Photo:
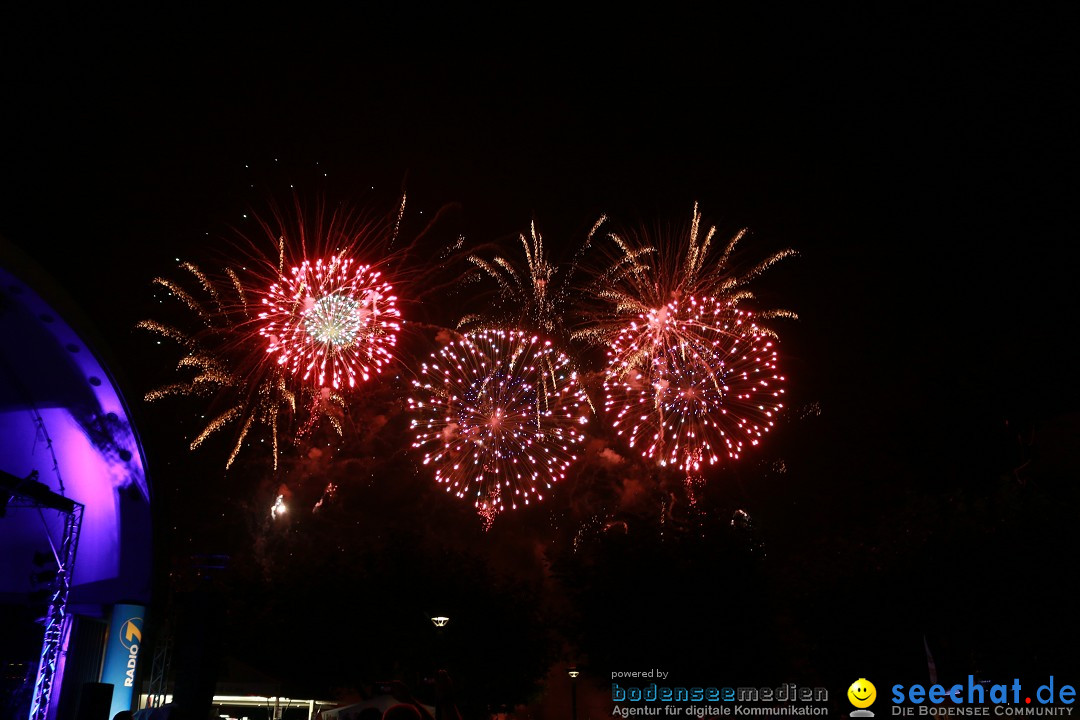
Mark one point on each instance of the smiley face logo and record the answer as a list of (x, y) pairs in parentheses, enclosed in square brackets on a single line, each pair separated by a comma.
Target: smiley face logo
[(862, 693)]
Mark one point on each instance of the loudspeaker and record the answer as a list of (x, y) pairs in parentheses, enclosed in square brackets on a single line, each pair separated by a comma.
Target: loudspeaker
[(95, 701)]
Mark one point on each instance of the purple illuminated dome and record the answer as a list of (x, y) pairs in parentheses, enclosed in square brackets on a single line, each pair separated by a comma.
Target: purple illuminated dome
[(74, 496)]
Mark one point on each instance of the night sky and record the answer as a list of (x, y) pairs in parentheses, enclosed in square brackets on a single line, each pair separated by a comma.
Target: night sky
[(922, 484)]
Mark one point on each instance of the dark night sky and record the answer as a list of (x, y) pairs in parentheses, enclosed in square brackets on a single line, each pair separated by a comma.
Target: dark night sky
[(921, 161)]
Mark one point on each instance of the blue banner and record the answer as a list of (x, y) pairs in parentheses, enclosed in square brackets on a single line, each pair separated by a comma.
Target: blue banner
[(122, 654)]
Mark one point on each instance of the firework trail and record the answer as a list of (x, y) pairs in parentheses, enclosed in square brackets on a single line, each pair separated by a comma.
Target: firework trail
[(221, 364), (533, 294), (491, 430), (647, 277)]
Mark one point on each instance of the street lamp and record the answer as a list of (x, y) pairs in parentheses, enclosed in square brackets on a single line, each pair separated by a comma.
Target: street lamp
[(440, 622), (572, 671)]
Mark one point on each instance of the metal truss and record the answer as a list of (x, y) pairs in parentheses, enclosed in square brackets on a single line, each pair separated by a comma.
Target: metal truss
[(57, 617)]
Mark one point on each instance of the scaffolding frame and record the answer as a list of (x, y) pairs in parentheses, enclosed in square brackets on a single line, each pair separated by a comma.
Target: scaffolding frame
[(29, 493), (159, 669), (57, 619)]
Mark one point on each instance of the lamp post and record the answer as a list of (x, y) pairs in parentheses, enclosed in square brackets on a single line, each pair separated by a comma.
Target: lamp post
[(440, 622), (572, 671)]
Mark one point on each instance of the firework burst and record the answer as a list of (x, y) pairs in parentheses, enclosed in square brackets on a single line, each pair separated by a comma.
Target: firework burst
[(328, 312), (331, 322), (713, 392), (273, 339), (490, 428)]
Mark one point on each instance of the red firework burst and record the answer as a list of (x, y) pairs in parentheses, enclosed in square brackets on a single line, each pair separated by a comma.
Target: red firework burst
[(711, 389), (331, 322), (499, 413)]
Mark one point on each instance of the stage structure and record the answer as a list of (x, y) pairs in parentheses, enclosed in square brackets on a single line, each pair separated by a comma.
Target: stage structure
[(75, 503)]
